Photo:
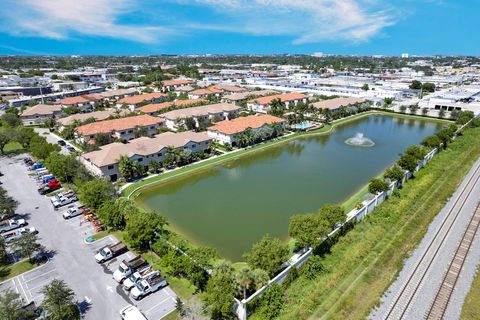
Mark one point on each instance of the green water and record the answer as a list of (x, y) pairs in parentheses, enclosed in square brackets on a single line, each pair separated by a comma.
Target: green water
[(231, 206)]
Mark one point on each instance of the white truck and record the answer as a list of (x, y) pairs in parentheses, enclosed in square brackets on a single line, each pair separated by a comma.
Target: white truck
[(110, 251), (63, 201), (126, 268), (58, 196), (142, 274), (12, 224), (147, 286), (131, 313), (18, 233), (73, 212)]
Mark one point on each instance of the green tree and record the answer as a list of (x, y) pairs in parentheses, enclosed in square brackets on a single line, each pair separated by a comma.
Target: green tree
[(59, 302), (63, 167), (333, 214), (126, 167), (394, 173), (464, 116), (11, 307), (7, 205), (155, 166), (95, 192), (3, 252), (271, 302), (141, 229), (365, 87), (5, 138), (424, 111), (40, 148), (441, 113), (260, 278), (428, 87), (313, 267), (102, 139), (218, 297), (277, 108), (244, 278), (11, 119), (408, 162), (431, 142), (377, 185), (27, 244), (417, 151), (416, 85), (268, 254), (308, 229), (24, 135)]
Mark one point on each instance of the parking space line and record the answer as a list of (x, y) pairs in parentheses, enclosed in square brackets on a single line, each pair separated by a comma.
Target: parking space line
[(38, 276), (41, 285), (161, 302), (23, 290)]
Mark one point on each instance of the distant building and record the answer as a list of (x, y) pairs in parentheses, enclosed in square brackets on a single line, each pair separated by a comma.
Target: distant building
[(144, 150), (39, 114), (157, 108), (84, 102), (405, 55), (141, 99), (172, 85), (237, 98), (337, 103)]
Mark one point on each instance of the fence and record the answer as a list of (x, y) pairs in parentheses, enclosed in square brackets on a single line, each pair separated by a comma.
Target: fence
[(358, 214)]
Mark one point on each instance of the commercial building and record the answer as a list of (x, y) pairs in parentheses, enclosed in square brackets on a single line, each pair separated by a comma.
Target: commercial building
[(144, 150)]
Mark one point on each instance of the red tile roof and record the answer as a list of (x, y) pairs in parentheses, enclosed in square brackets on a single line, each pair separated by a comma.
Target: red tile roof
[(155, 107), (142, 98), (175, 82), (85, 98), (241, 124), (118, 124)]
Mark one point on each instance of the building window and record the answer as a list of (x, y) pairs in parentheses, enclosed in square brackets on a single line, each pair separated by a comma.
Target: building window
[(140, 159), (130, 131), (160, 154), (152, 127), (122, 132), (110, 167)]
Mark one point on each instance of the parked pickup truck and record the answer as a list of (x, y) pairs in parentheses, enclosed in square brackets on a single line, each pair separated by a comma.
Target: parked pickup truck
[(11, 224), (51, 186), (73, 212), (145, 287), (63, 201), (57, 197), (143, 274), (110, 251), (18, 233), (126, 268), (132, 313)]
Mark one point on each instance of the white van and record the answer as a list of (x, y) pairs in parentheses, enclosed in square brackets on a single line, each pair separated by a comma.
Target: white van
[(132, 313)]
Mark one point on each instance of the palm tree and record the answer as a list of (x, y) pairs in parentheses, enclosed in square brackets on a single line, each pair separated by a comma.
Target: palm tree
[(126, 167), (277, 129), (248, 136), (441, 113), (260, 278), (244, 278)]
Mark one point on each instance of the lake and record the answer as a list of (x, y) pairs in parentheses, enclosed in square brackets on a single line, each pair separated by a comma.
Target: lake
[(231, 206)]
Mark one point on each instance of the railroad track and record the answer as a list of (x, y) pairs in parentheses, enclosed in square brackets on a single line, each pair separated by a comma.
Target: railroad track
[(444, 293), (409, 289)]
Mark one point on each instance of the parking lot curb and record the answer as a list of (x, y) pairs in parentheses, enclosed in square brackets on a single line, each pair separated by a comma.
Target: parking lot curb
[(26, 272)]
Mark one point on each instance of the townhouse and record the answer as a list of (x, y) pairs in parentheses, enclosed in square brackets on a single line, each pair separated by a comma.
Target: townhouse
[(85, 102), (157, 108), (176, 119), (172, 85), (205, 93), (39, 114), (80, 117), (141, 99), (123, 129), (228, 132), (115, 95), (144, 150), (240, 97), (262, 104)]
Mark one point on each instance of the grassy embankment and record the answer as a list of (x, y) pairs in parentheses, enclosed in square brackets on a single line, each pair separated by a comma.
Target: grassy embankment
[(13, 270), (471, 306), (364, 262)]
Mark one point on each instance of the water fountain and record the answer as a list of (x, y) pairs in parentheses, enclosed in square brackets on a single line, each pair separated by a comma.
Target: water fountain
[(359, 140)]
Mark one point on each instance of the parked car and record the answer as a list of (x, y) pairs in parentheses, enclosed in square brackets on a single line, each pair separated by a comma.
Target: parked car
[(131, 313), (12, 224), (61, 143), (71, 149), (51, 186), (63, 201), (110, 251), (18, 233), (37, 165), (73, 212)]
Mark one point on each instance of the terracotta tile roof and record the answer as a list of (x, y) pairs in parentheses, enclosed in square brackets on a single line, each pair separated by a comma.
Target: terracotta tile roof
[(142, 98), (229, 88), (184, 89), (118, 124), (155, 107), (143, 146), (41, 109), (284, 97), (245, 95), (200, 111), (207, 91), (336, 103), (97, 115), (85, 98), (176, 82), (241, 124)]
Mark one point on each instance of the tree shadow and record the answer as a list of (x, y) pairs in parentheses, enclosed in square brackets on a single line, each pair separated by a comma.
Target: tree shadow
[(84, 306)]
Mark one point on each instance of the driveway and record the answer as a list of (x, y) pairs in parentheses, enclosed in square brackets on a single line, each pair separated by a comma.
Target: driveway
[(73, 260), (53, 138)]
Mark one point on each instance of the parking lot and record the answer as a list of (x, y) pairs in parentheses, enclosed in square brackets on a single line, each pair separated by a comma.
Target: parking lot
[(53, 138), (29, 284), (98, 294)]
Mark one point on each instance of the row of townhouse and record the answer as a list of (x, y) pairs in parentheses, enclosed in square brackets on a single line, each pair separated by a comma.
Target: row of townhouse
[(157, 108), (144, 150), (123, 129), (216, 91), (228, 132), (262, 104)]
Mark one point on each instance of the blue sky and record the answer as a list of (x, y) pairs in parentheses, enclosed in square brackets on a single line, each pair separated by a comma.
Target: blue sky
[(387, 27)]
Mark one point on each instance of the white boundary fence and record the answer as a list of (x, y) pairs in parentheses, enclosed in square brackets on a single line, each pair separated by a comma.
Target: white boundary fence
[(240, 307)]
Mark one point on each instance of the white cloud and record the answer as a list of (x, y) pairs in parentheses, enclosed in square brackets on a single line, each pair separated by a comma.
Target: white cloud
[(308, 21), (59, 19)]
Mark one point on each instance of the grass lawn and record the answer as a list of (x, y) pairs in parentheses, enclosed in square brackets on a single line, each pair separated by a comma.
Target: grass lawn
[(364, 262), (100, 235), (471, 306), (16, 269), (171, 316)]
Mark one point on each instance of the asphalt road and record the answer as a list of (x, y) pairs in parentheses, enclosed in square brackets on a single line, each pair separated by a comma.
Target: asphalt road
[(98, 294), (53, 138)]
